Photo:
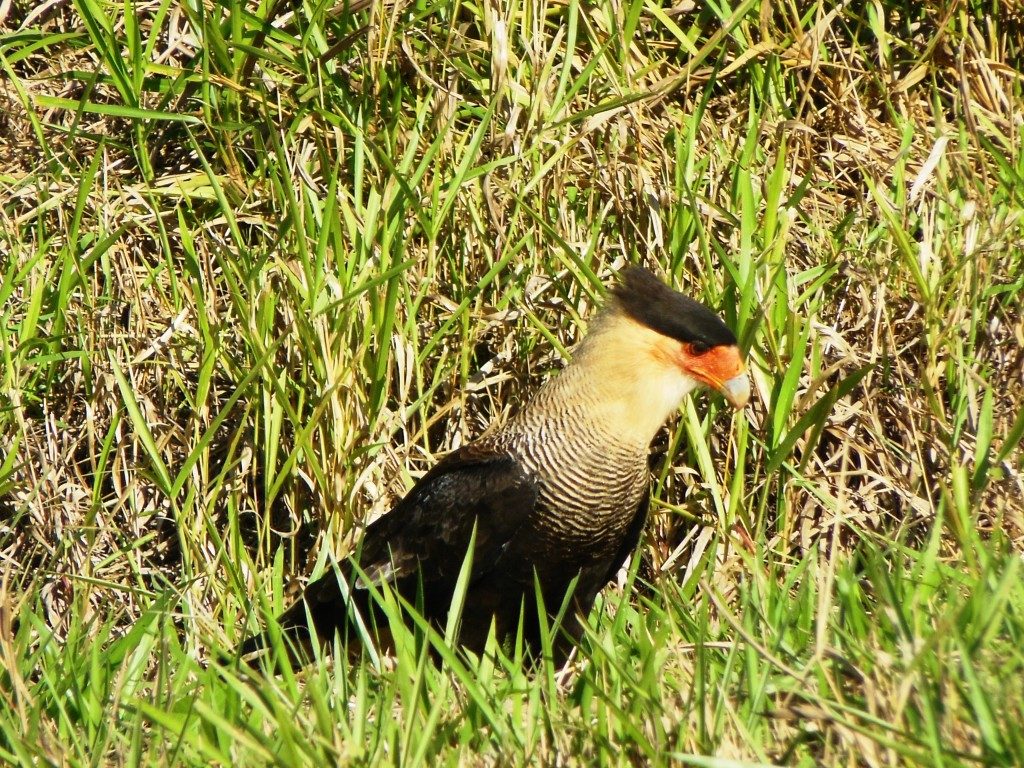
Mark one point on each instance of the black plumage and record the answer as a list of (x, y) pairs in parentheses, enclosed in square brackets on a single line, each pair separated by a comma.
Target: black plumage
[(556, 497), (650, 302)]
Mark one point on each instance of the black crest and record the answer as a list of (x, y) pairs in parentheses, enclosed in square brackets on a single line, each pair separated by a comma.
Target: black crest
[(649, 301)]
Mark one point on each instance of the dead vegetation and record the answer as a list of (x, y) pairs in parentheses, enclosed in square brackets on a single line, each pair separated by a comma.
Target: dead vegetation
[(250, 291)]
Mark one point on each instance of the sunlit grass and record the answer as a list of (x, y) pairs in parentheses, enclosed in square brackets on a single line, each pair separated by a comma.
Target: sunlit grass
[(261, 264)]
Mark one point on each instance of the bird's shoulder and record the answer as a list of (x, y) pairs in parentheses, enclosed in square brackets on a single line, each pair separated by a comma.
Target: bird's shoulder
[(478, 469), (481, 492)]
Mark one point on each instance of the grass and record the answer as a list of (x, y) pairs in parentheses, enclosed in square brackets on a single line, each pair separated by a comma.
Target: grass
[(261, 263)]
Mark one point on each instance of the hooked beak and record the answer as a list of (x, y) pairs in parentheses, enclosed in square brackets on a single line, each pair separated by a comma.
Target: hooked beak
[(737, 391)]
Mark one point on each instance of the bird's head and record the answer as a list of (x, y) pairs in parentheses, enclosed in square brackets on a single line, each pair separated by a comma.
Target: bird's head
[(651, 345), (682, 334)]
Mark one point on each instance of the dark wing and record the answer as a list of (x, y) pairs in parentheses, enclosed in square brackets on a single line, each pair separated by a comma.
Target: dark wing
[(425, 538), (430, 529)]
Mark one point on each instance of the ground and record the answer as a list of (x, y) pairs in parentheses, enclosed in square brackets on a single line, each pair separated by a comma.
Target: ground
[(261, 264)]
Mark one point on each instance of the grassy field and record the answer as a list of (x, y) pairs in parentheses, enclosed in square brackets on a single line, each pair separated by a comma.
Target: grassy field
[(262, 262)]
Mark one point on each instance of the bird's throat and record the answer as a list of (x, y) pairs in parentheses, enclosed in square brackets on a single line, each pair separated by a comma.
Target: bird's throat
[(627, 401)]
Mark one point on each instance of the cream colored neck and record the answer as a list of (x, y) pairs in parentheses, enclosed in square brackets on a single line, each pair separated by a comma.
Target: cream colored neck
[(621, 378)]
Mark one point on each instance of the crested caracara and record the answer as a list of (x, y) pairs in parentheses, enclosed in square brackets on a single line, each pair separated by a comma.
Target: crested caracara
[(556, 498)]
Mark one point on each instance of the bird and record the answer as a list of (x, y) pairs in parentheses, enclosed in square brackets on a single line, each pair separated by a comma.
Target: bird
[(550, 503)]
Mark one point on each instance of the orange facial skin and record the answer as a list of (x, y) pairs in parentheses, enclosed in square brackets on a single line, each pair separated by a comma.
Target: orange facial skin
[(720, 368), (714, 367)]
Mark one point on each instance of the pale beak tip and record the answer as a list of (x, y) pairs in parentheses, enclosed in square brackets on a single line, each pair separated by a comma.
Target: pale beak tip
[(737, 391)]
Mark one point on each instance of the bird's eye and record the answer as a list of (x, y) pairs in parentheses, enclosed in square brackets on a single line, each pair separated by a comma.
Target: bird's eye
[(698, 348)]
